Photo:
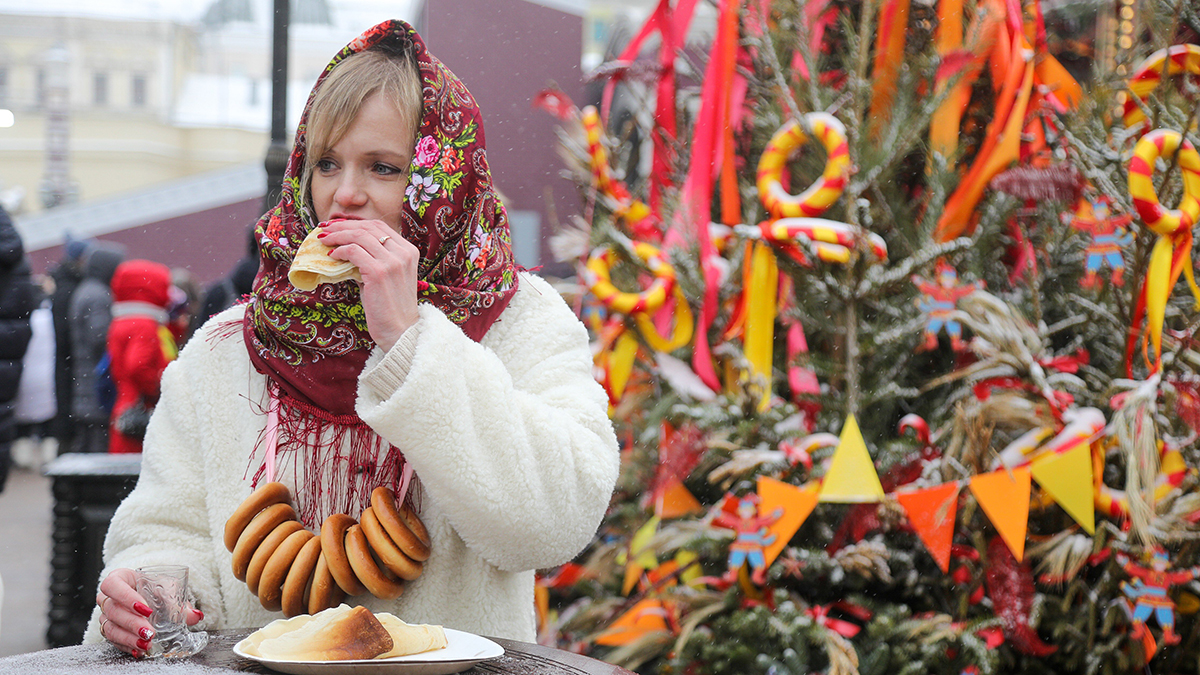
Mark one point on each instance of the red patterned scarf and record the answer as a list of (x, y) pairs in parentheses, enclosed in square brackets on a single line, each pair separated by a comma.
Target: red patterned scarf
[(313, 345)]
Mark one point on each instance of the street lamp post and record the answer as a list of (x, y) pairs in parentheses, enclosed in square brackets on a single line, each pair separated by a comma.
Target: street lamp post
[(277, 152), (56, 187)]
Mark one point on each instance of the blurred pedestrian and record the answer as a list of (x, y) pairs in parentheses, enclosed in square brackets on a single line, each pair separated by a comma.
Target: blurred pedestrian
[(36, 402), (140, 344), (16, 304), (237, 284), (67, 275), (89, 316), (183, 304)]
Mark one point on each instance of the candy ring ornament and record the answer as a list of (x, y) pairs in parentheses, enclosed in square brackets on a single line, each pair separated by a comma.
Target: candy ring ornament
[(681, 333), (626, 207), (1165, 143), (1148, 74), (832, 240), (598, 277), (820, 195), (1115, 503)]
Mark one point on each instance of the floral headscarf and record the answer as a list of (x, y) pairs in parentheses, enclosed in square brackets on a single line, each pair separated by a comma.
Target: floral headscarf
[(313, 345)]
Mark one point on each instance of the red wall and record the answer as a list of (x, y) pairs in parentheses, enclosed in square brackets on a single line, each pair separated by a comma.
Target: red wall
[(506, 51), (206, 243)]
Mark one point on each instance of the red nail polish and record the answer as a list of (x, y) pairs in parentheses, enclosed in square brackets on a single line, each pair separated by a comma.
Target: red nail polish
[(321, 235), (143, 644), (142, 608), (200, 614), (136, 654), (145, 633)]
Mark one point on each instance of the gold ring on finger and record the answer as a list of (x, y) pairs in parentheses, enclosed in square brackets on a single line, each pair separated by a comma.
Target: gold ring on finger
[(384, 238), (103, 624)]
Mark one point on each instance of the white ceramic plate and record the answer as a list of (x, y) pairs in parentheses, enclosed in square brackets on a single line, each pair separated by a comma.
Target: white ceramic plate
[(462, 651)]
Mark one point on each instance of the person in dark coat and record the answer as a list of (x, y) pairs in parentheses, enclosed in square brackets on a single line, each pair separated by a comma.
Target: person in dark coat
[(67, 275), (88, 319), (235, 286), (16, 304)]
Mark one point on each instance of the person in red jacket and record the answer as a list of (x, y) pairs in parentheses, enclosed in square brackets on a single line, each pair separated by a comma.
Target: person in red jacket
[(139, 342)]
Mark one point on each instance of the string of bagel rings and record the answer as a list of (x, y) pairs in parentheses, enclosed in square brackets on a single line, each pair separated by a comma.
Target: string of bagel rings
[(298, 572)]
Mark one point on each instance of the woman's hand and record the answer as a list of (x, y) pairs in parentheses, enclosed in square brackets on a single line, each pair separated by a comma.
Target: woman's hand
[(124, 614), (387, 263)]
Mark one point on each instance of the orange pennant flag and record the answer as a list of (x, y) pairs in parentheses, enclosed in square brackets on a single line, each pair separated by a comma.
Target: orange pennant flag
[(851, 478), (931, 512), (1067, 476), (1004, 496), (645, 617), (796, 502), (676, 500)]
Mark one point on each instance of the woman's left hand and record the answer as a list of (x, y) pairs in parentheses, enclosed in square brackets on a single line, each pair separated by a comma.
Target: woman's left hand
[(387, 263)]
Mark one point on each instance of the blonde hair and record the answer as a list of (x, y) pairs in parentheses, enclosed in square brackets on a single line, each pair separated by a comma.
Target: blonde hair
[(351, 82)]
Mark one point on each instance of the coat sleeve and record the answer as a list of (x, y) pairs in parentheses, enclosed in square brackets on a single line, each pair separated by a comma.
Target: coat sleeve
[(90, 320), (164, 519), (510, 437)]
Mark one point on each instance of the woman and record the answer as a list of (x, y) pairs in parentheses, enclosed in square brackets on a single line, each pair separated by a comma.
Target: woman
[(139, 343), (443, 359)]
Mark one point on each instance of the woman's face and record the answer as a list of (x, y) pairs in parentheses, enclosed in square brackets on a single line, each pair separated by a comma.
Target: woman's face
[(363, 176)]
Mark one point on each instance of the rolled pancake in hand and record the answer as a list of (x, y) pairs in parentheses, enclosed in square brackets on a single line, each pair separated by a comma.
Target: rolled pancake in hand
[(312, 265)]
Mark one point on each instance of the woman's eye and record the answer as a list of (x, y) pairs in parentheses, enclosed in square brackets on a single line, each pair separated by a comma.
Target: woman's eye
[(386, 170), (325, 165)]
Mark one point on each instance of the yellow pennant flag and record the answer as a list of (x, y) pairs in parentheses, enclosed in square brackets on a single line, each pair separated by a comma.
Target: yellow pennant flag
[(640, 557), (796, 502), (1067, 476), (1004, 496), (851, 478), (760, 320)]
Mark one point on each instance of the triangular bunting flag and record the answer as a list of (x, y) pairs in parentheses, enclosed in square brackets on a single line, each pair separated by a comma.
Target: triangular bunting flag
[(797, 503), (1004, 496), (644, 617), (1067, 476), (675, 500), (640, 557), (931, 512), (851, 478)]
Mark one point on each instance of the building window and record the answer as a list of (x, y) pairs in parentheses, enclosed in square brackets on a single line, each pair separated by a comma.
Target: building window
[(100, 89), (138, 91)]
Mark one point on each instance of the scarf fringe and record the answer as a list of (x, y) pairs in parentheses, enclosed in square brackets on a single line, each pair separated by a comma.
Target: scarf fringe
[(224, 331), (335, 462)]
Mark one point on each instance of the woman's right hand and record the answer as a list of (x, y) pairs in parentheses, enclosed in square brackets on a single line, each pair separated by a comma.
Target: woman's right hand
[(124, 614)]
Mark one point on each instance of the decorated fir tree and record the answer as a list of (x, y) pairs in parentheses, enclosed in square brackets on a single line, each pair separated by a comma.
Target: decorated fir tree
[(893, 341)]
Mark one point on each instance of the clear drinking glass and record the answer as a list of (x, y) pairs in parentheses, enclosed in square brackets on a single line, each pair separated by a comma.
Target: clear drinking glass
[(165, 589)]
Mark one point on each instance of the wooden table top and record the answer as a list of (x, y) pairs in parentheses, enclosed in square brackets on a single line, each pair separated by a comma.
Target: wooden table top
[(519, 657)]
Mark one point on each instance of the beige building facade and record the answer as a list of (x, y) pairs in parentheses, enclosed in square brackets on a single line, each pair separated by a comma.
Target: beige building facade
[(123, 79)]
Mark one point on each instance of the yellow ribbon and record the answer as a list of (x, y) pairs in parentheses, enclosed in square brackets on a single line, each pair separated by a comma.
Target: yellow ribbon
[(1171, 256), (760, 318), (680, 335)]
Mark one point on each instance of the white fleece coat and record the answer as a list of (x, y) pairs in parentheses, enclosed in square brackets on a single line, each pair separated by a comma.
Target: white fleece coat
[(509, 437)]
